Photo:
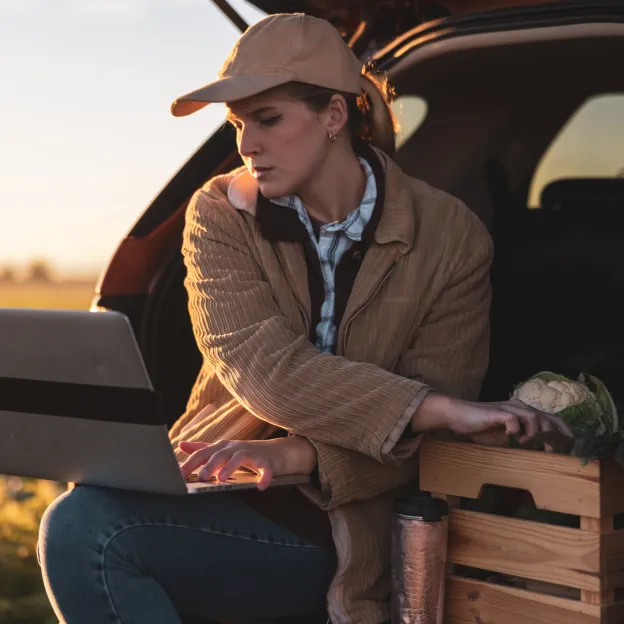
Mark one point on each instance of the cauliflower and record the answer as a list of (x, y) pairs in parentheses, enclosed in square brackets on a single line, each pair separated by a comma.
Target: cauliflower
[(585, 404), (552, 396)]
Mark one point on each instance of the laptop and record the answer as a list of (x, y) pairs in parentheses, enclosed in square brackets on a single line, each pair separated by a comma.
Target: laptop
[(77, 405)]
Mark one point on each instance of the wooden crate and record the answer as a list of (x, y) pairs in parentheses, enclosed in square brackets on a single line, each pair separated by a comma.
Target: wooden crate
[(589, 559)]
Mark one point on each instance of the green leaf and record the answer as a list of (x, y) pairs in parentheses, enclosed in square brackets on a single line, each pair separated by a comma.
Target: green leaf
[(592, 446), (605, 400), (584, 417)]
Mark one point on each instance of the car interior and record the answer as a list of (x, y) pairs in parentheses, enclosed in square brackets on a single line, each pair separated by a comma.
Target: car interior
[(495, 104), (493, 111)]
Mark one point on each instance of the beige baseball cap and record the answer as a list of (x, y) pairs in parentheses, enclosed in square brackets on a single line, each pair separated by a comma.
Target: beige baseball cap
[(276, 50)]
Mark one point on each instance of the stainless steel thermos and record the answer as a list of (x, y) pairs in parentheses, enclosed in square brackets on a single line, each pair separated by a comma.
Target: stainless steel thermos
[(419, 544)]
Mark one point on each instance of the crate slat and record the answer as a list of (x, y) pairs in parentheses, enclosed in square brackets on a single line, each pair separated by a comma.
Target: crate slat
[(470, 602), (557, 482), (598, 527), (555, 561), (543, 552)]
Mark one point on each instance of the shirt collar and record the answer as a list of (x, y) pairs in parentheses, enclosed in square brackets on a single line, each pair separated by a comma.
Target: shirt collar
[(278, 224)]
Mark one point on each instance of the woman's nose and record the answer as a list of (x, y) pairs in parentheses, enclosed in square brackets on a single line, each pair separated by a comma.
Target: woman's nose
[(247, 143)]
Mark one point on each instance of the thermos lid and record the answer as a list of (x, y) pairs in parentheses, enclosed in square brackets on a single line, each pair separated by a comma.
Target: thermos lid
[(422, 507)]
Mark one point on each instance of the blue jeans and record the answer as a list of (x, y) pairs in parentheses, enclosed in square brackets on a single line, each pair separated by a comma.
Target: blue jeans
[(117, 557)]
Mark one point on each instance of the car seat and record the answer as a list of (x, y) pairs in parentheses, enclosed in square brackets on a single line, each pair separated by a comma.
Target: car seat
[(557, 285)]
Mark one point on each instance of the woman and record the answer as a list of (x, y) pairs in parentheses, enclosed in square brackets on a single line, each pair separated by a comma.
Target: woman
[(342, 311)]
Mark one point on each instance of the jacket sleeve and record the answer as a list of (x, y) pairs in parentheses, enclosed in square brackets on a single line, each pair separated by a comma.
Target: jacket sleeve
[(279, 376), (345, 476)]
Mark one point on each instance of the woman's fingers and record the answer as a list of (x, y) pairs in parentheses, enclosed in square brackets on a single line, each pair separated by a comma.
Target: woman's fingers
[(524, 421), (191, 447), (495, 423), (221, 460), (495, 436), (547, 425), (234, 463), (511, 423), (198, 457), (266, 476), (554, 421), (560, 425), (215, 463), (530, 423), (557, 422), (242, 459), (536, 421)]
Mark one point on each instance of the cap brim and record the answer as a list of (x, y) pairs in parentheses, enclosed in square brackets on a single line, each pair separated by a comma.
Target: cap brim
[(227, 90)]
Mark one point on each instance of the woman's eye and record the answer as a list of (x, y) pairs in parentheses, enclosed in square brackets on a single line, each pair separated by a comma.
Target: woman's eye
[(270, 121)]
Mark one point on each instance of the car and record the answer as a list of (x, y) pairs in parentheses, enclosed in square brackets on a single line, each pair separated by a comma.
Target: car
[(517, 108), (482, 98)]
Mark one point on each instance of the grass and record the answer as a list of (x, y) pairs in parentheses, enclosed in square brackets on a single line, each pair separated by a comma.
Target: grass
[(23, 501), (66, 295)]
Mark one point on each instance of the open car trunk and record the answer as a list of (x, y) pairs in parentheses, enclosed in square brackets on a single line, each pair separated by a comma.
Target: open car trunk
[(489, 105), (495, 103), (366, 20)]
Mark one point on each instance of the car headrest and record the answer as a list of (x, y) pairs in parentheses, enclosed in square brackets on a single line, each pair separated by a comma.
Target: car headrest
[(584, 194)]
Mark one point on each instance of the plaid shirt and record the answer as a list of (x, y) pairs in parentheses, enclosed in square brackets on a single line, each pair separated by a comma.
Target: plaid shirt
[(333, 241)]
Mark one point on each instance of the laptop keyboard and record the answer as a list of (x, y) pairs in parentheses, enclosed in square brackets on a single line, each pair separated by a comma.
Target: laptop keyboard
[(194, 478)]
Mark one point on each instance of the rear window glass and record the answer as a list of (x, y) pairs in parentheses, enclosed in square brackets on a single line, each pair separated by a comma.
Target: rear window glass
[(410, 112), (590, 145)]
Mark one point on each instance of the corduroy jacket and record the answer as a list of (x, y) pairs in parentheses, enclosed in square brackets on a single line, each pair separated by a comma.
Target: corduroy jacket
[(416, 319)]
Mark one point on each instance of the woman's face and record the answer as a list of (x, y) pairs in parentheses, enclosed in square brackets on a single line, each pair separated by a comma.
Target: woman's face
[(282, 141)]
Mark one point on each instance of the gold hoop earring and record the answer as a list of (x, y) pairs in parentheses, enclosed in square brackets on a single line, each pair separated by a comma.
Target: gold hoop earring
[(332, 137)]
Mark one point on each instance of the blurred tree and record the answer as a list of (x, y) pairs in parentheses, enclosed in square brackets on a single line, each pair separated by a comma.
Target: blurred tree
[(8, 274), (39, 271)]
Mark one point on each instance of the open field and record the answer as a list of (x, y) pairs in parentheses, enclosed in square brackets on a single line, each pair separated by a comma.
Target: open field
[(67, 295), (22, 501)]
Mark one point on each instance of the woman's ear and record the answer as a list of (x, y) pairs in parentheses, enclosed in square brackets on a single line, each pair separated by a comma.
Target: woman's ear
[(337, 114)]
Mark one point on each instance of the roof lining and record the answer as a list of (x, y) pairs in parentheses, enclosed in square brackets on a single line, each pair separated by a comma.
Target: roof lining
[(462, 44)]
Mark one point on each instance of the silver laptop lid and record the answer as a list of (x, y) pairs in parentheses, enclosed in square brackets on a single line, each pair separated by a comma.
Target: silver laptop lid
[(76, 402), (69, 346)]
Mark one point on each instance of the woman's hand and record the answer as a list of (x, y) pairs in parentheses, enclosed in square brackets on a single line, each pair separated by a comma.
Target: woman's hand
[(486, 423), (267, 458)]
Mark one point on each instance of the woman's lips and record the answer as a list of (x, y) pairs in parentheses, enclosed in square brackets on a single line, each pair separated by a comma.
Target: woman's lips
[(261, 172)]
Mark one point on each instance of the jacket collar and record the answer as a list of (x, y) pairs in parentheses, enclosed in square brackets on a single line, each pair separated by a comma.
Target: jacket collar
[(398, 220), (277, 223)]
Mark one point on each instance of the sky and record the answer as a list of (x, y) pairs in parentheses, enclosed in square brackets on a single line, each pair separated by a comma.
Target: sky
[(87, 139), (86, 136)]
